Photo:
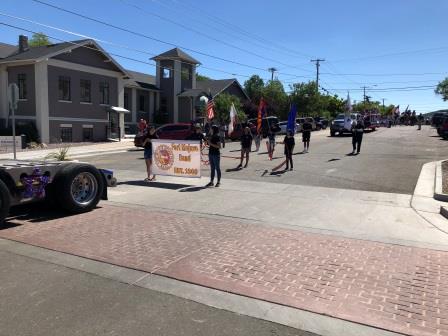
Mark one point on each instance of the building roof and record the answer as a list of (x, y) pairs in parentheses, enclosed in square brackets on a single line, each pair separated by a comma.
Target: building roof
[(34, 53), (51, 50), (176, 54), (211, 87), (141, 80), (7, 50)]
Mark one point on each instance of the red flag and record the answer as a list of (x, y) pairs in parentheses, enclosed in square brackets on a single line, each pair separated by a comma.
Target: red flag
[(210, 109), (261, 112)]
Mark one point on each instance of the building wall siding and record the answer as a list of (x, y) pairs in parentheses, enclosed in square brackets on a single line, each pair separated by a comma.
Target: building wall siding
[(88, 57), (75, 109), (99, 130), (28, 107), (185, 109)]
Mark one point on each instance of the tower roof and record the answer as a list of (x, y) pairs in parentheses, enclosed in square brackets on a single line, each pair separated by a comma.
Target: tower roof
[(176, 54)]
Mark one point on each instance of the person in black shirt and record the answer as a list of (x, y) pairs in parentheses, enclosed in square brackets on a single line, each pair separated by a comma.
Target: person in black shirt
[(357, 133), (197, 135), (306, 135), (214, 157), (147, 145), (289, 143), (246, 144)]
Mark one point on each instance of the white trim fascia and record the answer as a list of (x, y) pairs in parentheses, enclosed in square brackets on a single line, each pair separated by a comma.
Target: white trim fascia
[(18, 62), (84, 68), (78, 119), (42, 106), (231, 84), (65, 101), (23, 117), (85, 103), (66, 125)]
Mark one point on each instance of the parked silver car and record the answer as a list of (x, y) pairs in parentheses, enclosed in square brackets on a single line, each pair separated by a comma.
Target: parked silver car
[(283, 127)]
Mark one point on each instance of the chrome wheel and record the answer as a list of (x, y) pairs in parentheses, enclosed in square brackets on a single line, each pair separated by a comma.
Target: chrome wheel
[(84, 188)]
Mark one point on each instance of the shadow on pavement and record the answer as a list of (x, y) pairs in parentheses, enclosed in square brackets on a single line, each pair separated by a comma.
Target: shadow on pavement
[(280, 172), (192, 189), (161, 185), (229, 170), (331, 160), (33, 213)]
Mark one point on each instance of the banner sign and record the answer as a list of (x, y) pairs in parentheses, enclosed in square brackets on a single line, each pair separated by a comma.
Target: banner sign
[(176, 158)]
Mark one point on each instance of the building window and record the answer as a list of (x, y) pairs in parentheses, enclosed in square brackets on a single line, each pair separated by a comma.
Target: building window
[(64, 88), (85, 91), (87, 134), (21, 80), (66, 134), (104, 93), (126, 101), (141, 103), (166, 73), (186, 74)]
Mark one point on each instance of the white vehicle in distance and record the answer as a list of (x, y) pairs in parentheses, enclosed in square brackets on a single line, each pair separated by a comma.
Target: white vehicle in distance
[(283, 127)]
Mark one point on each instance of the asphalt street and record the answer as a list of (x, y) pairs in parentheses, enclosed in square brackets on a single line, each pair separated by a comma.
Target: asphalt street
[(390, 161), (41, 298)]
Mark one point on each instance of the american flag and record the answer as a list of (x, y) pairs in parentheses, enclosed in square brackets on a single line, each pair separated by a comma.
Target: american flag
[(210, 109)]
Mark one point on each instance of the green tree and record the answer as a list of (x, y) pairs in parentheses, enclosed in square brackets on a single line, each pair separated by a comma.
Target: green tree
[(38, 40), (442, 89), (223, 102), (254, 87), (277, 99), (201, 78)]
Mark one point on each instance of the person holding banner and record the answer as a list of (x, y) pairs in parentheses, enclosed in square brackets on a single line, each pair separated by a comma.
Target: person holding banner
[(214, 157), (246, 145), (271, 144), (289, 143), (257, 140), (147, 145)]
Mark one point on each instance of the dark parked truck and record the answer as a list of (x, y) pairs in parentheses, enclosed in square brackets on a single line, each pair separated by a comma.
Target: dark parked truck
[(75, 187)]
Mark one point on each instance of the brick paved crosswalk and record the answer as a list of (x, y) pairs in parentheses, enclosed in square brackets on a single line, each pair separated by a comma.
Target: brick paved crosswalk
[(398, 288)]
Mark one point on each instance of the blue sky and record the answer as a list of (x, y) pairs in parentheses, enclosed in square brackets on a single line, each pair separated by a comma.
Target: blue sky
[(381, 44)]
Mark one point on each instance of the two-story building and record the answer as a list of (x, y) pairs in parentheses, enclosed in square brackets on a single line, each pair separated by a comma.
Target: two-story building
[(75, 91), (70, 91)]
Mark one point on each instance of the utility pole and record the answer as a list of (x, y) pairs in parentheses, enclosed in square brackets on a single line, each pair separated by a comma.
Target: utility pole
[(364, 87), (317, 62), (272, 71)]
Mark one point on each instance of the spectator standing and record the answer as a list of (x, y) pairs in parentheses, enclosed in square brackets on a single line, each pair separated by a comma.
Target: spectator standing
[(147, 145), (271, 144), (214, 157), (246, 145)]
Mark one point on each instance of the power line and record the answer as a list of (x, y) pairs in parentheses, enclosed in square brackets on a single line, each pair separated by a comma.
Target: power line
[(246, 40), (110, 53), (208, 36), (146, 36), (242, 31)]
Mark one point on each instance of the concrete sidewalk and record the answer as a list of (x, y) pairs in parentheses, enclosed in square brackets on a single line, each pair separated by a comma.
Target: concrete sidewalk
[(373, 216), (76, 152)]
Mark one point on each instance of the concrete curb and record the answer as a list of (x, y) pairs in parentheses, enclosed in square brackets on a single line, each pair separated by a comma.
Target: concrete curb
[(444, 211), (438, 187), (423, 200)]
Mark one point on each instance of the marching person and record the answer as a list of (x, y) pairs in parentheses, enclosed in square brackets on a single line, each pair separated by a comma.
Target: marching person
[(222, 135), (271, 144), (246, 145), (289, 143), (147, 145), (214, 157), (257, 139), (306, 135), (357, 134), (420, 121)]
